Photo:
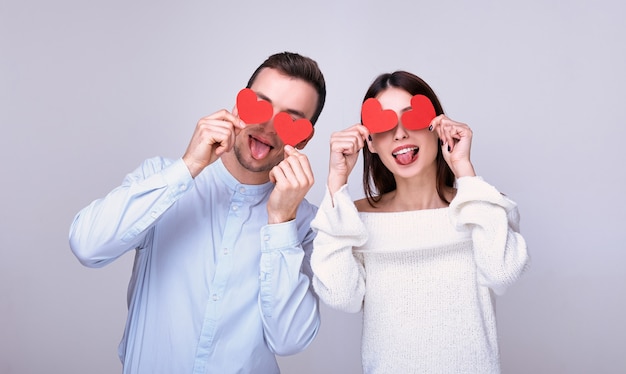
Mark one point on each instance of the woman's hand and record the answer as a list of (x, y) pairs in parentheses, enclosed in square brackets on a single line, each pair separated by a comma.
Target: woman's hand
[(344, 152), (457, 142)]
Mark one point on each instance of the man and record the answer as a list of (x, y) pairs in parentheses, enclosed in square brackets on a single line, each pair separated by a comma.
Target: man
[(221, 280)]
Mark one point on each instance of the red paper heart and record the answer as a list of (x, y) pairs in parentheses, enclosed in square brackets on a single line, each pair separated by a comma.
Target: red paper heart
[(251, 110), (292, 132), (375, 118), (421, 114)]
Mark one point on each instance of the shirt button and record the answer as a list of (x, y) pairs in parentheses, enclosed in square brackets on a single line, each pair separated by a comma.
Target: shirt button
[(235, 207), (225, 251), (183, 187), (242, 189), (215, 297), (266, 237), (154, 214)]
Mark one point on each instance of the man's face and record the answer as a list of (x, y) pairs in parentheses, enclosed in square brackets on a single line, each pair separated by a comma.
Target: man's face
[(257, 147)]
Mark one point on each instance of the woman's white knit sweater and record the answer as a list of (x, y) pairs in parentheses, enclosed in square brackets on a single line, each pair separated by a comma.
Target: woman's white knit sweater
[(423, 278)]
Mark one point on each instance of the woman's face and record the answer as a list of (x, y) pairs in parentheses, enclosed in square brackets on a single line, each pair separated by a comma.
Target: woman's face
[(405, 153)]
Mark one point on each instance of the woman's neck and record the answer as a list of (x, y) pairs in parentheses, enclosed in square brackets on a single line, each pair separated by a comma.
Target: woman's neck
[(415, 193)]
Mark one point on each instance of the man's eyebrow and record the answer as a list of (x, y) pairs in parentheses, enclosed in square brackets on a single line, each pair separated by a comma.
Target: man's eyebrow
[(261, 96), (295, 113), (292, 112)]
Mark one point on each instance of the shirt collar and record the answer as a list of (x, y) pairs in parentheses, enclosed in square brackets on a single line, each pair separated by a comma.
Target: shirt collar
[(247, 189)]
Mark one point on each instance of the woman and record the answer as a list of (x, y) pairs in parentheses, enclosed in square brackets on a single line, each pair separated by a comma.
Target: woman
[(422, 254)]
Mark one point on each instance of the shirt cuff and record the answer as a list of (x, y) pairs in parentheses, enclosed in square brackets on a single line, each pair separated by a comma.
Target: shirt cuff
[(177, 177), (278, 236)]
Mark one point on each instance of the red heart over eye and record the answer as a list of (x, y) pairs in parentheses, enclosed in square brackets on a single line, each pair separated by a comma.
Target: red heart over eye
[(251, 110), (421, 113), (290, 131), (375, 118)]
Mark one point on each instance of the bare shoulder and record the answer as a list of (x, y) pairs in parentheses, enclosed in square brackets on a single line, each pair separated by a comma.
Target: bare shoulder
[(450, 193), (363, 205)]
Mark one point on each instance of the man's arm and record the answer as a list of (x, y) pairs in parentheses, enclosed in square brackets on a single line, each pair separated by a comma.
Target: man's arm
[(289, 307), (109, 227), (117, 223)]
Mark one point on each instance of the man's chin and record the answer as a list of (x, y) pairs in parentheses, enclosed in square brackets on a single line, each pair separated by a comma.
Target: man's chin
[(254, 165)]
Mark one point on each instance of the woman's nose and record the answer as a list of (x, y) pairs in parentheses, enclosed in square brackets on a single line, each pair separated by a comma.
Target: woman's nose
[(400, 132)]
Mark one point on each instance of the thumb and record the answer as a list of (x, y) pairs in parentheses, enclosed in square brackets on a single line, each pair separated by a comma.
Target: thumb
[(445, 150), (272, 176), (289, 150)]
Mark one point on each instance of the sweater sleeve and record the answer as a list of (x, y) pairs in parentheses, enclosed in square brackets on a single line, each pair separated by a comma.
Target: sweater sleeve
[(338, 273), (499, 249)]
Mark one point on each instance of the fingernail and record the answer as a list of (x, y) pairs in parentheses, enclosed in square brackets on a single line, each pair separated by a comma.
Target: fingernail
[(369, 137), (430, 128)]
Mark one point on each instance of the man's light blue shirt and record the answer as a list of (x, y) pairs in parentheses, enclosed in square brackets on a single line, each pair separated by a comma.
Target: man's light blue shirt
[(214, 288)]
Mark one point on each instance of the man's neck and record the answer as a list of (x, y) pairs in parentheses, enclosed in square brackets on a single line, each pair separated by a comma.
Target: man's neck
[(242, 174)]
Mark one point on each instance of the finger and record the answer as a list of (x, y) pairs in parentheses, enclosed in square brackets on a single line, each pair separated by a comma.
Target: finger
[(438, 125), (446, 135), (226, 144), (448, 129), (458, 132), (224, 115), (346, 147), (363, 131), (435, 122), (215, 134), (290, 150), (272, 175), (278, 175), (441, 134), (213, 131), (297, 165), (349, 142)]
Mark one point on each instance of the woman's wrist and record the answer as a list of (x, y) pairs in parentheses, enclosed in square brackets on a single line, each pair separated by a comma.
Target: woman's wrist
[(335, 183), (464, 169)]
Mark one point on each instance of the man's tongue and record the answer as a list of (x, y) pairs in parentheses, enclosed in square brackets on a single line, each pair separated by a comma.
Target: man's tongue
[(258, 149), (405, 158)]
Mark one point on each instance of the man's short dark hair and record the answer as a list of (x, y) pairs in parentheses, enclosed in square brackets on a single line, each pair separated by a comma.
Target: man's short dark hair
[(297, 66)]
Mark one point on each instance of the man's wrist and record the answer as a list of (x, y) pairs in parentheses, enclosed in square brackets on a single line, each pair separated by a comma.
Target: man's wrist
[(279, 218)]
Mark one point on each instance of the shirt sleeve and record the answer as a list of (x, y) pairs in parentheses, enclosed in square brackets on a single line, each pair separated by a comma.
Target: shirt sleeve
[(289, 307), (119, 222), (500, 250), (339, 274)]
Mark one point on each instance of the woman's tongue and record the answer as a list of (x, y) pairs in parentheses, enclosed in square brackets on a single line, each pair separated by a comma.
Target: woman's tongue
[(259, 150), (406, 156)]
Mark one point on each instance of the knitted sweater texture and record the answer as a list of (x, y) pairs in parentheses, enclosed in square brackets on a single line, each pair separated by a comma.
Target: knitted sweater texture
[(425, 279)]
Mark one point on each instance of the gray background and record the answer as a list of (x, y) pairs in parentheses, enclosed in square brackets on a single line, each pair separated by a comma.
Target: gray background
[(88, 89)]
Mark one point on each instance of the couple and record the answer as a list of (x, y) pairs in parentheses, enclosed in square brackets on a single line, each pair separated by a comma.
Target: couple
[(230, 258)]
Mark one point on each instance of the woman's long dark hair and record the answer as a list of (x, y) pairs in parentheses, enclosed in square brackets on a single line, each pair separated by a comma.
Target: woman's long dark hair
[(377, 179)]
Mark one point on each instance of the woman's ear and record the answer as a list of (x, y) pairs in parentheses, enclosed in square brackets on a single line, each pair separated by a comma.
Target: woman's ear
[(370, 144)]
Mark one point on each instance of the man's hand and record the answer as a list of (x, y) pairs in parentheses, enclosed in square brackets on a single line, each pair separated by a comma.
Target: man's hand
[(293, 178), (214, 135)]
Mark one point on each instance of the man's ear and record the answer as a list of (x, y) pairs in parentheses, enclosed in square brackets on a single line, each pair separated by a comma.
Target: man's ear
[(305, 141)]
